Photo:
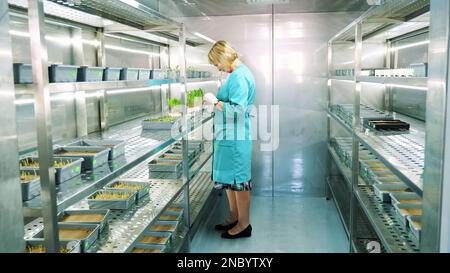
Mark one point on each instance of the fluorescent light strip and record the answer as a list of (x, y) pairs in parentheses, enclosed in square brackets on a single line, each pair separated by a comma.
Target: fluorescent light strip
[(408, 87), (58, 40), (118, 48), (204, 37), (410, 45)]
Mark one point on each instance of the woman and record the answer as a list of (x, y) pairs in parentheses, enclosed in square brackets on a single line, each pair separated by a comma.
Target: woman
[(232, 138)]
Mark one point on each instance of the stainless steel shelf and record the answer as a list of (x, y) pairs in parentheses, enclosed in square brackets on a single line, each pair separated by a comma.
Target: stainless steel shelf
[(386, 16), (340, 121), (382, 218), (141, 144), (403, 81), (346, 172), (402, 153), (343, 78)]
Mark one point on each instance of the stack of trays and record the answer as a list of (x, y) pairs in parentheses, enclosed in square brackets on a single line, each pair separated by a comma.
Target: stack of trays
[(65, 168), (87, 234), (392, 125), (117, 147), (94, 216), (112, 199), (172, 169), (93, 156), (141, 188), (37, 246), (22, 73)]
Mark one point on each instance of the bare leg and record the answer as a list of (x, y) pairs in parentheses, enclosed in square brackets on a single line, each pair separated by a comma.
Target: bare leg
[(243, 206), (233, 213)]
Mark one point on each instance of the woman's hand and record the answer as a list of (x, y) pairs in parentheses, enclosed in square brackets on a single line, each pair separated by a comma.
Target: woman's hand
[(210, 98)]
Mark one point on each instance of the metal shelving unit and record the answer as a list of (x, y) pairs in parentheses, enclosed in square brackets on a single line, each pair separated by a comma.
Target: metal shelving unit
[(404, 153), (129, 18)]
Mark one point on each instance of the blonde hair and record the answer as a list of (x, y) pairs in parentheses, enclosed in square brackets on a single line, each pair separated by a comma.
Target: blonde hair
[(222, 53)]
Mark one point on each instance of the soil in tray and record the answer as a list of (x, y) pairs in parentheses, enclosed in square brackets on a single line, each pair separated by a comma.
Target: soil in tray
[(163, 227), (88, 218), (172, 157), (121, 185), (386, 175), (374, 164), (153, 240), (41, 249), (417, 225), (145, 250), (177, 209), (415, 212), (168, 217), (410, 201), (74, 234), (377, 169)]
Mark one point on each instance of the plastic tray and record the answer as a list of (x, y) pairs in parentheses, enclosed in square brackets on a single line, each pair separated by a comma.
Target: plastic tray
[(90, 74), (168, 226), (71, 246), (117, 147), (114, 204), (91, 161), (23, 73), (63, 73), (102, 223), (140, 193), (129, 74), (61, 174), (401, 215), (169, 215), (31, 189), (85, 243), (144, 74), (161, 165), (383, 191), (112, 74)]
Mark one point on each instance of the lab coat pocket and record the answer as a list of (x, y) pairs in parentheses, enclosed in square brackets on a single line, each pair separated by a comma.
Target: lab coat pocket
[(224, 156)]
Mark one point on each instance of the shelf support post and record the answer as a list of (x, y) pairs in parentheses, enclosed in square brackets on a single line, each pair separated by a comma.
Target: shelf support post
[(185, 130)]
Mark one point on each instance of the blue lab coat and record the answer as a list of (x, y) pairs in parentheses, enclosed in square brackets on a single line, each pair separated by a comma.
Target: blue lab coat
[(232, 132)]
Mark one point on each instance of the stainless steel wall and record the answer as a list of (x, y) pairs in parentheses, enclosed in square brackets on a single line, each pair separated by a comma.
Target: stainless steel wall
[(298, 85)]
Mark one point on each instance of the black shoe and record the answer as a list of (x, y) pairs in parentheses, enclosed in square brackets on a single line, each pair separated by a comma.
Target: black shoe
[(226, 227), (247, 232)]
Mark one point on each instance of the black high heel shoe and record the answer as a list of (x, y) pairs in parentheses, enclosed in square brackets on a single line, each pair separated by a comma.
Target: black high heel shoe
[(247, 232), (226, 227)]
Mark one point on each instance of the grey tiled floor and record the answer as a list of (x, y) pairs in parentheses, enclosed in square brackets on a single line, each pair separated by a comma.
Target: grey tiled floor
[(280, 224)]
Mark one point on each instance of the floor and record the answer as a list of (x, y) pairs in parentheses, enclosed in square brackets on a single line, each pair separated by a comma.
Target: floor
[(280, 224)]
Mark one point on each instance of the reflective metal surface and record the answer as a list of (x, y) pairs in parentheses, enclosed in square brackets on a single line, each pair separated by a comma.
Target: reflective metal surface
[(11, 232)]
